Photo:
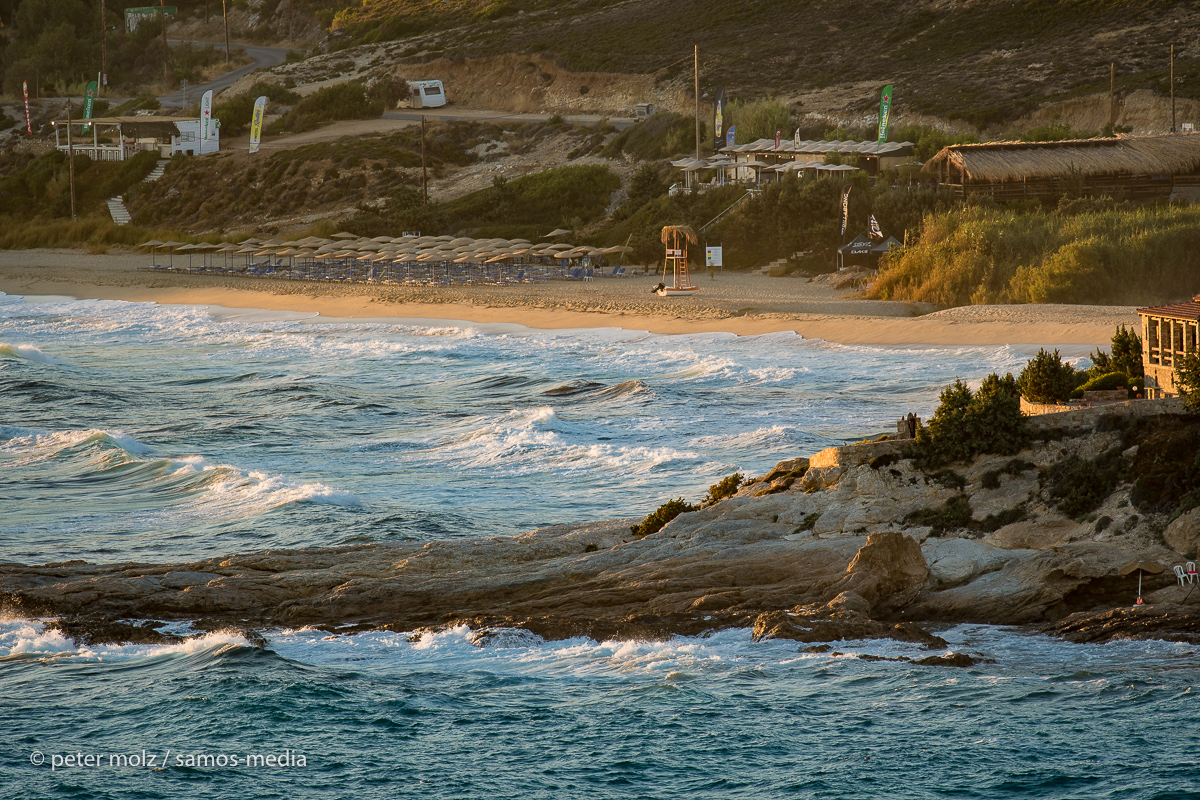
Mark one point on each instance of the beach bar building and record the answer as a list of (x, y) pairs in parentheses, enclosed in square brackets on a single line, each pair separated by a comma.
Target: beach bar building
[(1132, 168), (1168, 333), (119, 138)]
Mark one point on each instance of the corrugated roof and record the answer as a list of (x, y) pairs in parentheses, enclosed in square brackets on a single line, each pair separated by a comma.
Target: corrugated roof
[(1171, 154)]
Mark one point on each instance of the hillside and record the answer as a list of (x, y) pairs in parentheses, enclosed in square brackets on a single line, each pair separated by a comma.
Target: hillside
[(984, 62)]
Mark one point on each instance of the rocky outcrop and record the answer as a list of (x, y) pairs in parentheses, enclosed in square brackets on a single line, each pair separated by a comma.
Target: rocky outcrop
[(854, 542), (1183, 535)]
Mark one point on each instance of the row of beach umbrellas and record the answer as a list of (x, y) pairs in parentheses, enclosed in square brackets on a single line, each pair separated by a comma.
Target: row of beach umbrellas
[(347, 248)]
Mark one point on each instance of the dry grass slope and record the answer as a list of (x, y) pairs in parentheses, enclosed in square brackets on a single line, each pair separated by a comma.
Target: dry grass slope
[(983, 62)]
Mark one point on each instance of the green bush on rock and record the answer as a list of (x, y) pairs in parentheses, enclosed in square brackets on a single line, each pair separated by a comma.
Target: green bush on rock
[(656, 520), (1047, 379), (968, 423), (726, 487)]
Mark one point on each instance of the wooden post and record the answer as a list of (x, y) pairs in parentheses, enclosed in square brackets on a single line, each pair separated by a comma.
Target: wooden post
[(1112, 93), (697, 90), (71, 160), (162, 14), (103, 44), (225, 15), (1172, 88), (424, 174)]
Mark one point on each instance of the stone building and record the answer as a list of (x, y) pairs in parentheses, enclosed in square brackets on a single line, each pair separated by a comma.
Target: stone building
[(1168, 332)]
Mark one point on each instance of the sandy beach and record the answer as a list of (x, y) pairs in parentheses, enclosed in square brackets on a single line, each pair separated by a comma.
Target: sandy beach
[(742, 304)]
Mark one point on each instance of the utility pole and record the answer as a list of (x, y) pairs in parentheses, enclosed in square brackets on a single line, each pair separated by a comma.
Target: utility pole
[(1172, 88), (697, 90), (162, 13), (71, 160), (424, 175), (225, 14), (103, 43), (1112, 92)]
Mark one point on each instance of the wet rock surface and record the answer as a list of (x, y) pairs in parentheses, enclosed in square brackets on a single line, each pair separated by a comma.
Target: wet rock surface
[(829, 556)]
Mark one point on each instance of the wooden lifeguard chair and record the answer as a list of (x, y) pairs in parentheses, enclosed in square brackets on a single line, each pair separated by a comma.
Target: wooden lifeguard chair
[(676, 238)]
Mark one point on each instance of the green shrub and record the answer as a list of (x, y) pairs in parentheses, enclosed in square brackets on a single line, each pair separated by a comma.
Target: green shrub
[(949, 479), (1046, 379), (1107, 381), (332, 103), (758, 119), (1125, 356), (1187, 381), (726, 487), (660, 136), (1055, 132), (1080, 485), (980, 253), (994, 522), (954, 514), (968, 424), (668, 511), (552, 198), (808, 522), (991, 478), (236, 112)]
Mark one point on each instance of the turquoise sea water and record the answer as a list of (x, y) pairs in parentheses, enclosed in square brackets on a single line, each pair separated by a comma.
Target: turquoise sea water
[(152, 433)]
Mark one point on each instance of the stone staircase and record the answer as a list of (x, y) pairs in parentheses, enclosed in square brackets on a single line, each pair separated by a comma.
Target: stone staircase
[(157, 172), (116, 205), (776, 267)]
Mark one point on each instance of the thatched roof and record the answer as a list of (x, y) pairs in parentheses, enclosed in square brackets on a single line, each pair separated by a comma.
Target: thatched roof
[(683, 230), (1013, 161)]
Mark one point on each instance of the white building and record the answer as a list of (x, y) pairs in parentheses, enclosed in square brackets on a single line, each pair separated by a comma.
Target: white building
[(119, 138)]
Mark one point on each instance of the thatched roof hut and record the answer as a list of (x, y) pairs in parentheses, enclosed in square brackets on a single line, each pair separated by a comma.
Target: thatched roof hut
[(1134, 166), (683, 231)]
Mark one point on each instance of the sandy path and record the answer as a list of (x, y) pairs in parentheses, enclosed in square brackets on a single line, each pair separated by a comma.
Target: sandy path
[(737, 303)]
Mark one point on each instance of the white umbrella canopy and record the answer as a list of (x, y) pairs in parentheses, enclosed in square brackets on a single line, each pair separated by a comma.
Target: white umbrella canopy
[(151, 243), (345, 235), (557, 232)]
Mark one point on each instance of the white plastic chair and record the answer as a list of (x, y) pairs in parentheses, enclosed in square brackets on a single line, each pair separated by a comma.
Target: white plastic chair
[(1191, 572), (1179, 573)]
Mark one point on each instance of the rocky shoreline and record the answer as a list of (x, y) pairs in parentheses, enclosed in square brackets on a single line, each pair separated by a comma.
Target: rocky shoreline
[(856, 542)]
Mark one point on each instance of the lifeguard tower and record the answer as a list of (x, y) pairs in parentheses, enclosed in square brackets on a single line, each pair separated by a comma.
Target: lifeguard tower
[(675, 265)]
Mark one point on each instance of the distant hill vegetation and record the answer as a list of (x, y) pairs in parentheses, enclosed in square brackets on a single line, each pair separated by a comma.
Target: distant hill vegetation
[(1086, 251), (984, 62)]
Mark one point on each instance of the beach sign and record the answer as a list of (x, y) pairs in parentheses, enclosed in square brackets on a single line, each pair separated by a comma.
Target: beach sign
[(845, 209), (729, 135), (712, 257), (89, 98), (885, 111), (206, 116), (719, 118), (28, 122), (260, 106)]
